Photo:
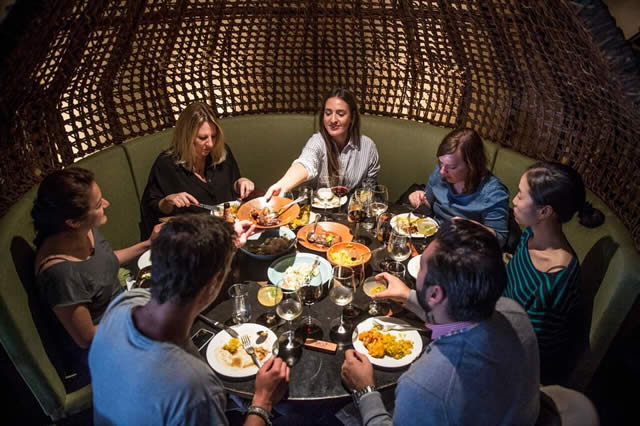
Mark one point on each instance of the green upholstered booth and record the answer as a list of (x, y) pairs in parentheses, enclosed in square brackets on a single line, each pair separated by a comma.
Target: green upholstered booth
[(264, 146)]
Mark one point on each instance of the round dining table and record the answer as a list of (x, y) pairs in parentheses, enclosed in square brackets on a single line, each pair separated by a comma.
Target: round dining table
[(315, 376)]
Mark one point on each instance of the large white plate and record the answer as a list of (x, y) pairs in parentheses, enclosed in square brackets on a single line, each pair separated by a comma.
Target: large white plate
[(387, 361), (145, 259), (220, 339), (331, 204), (414, 266), (395, 219)]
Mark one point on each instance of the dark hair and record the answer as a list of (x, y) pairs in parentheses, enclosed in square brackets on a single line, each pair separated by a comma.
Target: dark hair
[(556, 185), (62, 195), (468, 142), (187, 252), (467, 265), (354, 127)]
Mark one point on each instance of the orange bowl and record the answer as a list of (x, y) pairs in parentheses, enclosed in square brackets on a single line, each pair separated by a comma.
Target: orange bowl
[(348, 254), (333, 227), (244, 212)]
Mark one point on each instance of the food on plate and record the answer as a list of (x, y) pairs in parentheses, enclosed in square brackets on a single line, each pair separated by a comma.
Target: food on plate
[(380, 344), (144, 278), (264, 217), (270, 245), (324, 238), (414, 225), (230, 211), (296, 275), (234, 355), (346, 256), (331, 202)]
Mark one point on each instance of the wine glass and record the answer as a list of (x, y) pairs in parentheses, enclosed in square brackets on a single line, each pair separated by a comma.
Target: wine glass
[(324, 193), (379, 199), (310, 293), (357, 212), (339, 189), (269, 296), (289, 308), (341, 293), (371, 286), (398, 246)]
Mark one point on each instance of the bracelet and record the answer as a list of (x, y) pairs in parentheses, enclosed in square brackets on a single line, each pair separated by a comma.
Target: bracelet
[(260, 412)]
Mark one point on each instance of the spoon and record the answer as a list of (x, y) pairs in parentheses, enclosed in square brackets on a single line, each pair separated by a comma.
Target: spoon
[(288, 205), (311, 236)]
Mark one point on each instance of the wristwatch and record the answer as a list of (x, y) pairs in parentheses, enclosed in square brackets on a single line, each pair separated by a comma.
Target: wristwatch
[(357, 394), (260, 412)]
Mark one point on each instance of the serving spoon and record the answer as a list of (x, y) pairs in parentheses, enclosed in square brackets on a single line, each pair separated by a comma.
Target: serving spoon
[(311, 236)]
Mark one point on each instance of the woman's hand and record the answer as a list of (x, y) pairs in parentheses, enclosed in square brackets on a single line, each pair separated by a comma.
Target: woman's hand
[(274, 190), (154, 232), (243, 187), (244, 229), (177, 200), (417, 197), (396, 289)]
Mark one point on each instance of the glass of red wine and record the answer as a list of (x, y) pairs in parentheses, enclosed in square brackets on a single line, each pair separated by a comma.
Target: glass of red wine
[(357, 213), (339, 189)]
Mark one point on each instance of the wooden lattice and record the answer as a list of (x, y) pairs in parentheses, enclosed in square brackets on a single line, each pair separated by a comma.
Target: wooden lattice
[(79, 76)]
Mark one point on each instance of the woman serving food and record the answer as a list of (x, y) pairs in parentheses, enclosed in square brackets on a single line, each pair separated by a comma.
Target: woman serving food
[(197, 168), (338, 149)]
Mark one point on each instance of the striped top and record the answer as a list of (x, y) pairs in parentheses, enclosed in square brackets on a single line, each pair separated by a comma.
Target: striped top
[(356, 163), (550, 299)]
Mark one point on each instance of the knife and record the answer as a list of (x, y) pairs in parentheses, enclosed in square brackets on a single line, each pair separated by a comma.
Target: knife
[(208, 207), (218, 325)]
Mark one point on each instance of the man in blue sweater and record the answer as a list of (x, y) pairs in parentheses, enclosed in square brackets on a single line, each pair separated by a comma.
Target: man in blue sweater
[(482, 365)]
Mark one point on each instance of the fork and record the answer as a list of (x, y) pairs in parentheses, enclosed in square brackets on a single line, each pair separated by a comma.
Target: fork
[(395, 327), (246, 344)]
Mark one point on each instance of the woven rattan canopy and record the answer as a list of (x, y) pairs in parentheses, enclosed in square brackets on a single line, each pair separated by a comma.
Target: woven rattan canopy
[(79, 76)]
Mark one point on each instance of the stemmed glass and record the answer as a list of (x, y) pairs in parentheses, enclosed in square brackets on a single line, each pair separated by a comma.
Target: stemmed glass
[(339, 189), (371, 286), (357, 212), (289, 308), (341, 293), (324, 191), (398, 246), (310, 293), (379, 200), (269, 296)]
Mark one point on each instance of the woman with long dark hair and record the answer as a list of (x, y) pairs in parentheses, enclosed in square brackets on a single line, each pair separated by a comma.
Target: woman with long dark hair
[(338, 149), (76, 269)]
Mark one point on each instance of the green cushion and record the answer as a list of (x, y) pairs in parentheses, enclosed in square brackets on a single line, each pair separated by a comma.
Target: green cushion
[(265, 145), (509, 167), (142, 152), (113, 175), (407, 150)]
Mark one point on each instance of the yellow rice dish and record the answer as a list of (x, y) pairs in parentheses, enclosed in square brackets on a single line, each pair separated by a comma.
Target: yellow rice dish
[(379, 344)]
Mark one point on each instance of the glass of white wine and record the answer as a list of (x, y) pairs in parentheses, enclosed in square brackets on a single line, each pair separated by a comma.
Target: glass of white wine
[(289, 308), (379, 200), (269, 296), (341, 293)]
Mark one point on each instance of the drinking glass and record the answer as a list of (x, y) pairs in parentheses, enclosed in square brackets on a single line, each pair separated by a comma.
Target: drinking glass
[(239, 294), (371, 286), (289, 308), (341, 293), (269, 296), (339, 189), (324, 193), (305, 206), (395, 268), (357, 212), (310, 294), (398, 246), (383, 227), (379, 200)]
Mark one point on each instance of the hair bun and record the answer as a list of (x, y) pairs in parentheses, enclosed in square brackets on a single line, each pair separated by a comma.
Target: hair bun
[(590, 217)]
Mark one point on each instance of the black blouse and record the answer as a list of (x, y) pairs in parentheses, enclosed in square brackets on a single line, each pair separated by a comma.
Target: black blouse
[(168, 177)]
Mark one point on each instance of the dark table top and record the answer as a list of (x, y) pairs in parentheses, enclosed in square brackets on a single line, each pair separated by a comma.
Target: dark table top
[(316, 375)]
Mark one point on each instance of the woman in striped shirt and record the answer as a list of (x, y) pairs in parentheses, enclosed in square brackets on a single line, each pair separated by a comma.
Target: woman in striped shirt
[(544, 273), (338, 149)]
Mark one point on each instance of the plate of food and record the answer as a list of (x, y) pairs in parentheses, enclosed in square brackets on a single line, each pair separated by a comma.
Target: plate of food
[(331, 203), (289, 272), (270, 243), (143, 279), (144, 260), (348, 254), (387, 349), (326, 235), (264, 213), (416, 226), (227, 357), (414, 266)]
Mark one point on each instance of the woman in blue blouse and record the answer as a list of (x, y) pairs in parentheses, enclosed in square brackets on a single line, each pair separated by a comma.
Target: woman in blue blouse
[(461, 185), (544, 273)]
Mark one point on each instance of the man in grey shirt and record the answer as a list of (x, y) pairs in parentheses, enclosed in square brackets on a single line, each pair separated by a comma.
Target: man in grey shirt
[(144, 367), (482, 365)]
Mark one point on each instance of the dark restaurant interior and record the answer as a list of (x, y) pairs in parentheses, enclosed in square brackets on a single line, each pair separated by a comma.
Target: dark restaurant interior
[(102, 84)]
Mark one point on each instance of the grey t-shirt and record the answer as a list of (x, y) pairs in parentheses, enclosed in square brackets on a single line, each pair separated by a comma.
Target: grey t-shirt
[(140, 381), (93, 282)]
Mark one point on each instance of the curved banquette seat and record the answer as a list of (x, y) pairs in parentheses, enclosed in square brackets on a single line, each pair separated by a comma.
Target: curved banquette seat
[(265, 146)]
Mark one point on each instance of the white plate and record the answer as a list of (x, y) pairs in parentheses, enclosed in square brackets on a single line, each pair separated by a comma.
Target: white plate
[(415, 234), (222, 337), (414, 266), (279, 266), (144, 260), (387, 361), (331, 204)]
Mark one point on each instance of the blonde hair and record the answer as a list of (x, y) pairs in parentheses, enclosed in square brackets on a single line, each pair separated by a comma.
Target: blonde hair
[(187, 126)]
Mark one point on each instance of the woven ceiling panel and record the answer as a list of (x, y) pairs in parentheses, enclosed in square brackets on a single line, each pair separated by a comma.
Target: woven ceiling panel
[(79, 76)]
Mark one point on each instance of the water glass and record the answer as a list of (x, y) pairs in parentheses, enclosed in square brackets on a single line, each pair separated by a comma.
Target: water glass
[(241, 312), (395, 268), (398, 246)]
